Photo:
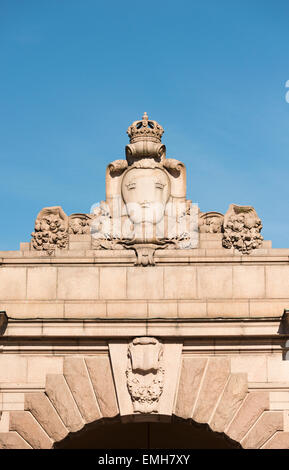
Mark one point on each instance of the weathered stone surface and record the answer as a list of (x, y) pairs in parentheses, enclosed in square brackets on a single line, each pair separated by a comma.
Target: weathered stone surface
[(99, 369), (13, 368), (41, 283), (26, 425), (44, 412), (234, 393), (12, 283), (215, 282), (190, 379), (255, 366), (12, 440), (77, 377), (216, 376), (144, 284), (39, 367), (253, 406), (61, 397), (269, 423), (112, 283), (248, 281), (277, 282), (180, 282), (279, 441), (76, 283)]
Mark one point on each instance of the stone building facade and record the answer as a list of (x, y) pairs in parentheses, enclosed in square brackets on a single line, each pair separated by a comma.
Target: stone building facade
[(145, 315)]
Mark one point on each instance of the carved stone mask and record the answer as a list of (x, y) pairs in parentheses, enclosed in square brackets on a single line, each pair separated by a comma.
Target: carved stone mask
[(145, 192)]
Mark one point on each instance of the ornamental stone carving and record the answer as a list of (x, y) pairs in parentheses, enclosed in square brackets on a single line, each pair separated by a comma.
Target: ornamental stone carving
[(79, 224), (145, 374), (146, 207), (51, 230), (242, 228), (211, 222)]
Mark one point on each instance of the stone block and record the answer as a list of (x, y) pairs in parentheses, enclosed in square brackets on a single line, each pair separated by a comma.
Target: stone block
[(280, 440), (41, 283), (24, 246), (187, 309), (268, 424), (277, 282), (12, 283), (112, 283), (61, 397), (12, 440), (248, 282), (180, 282), (228, 309), (43, 411), (13, 368), (214, 282), (26, 425), (215, 379), (278, 370), (75, 283), (163, 309), (254, 365), (127, 309), (76, 374), (101, 377), (84, 309), (191, 375), (145, 283), (12, 401), (234, 393), (33, 309), (268, 308), (253, 406), (38, 367)]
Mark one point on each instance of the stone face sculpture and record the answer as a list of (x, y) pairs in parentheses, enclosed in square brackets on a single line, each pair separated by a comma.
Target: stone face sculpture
[(50, 230), (145, 374), (146, 209), (242, 228), (146, 206)]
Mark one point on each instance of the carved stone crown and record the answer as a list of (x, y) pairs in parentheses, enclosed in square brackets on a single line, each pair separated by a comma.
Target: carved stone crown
[(145, 129)]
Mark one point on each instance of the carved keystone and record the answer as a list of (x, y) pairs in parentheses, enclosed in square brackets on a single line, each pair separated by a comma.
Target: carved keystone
[(145, 374)]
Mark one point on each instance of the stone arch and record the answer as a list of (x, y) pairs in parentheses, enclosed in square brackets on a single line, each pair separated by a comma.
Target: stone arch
[(207, 393)]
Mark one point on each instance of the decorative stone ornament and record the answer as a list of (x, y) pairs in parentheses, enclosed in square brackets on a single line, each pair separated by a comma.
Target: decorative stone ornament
[(145, 374), (242, 228), (145, 140), (146, 209), (51, 230), (146, 206), (79, 224), (211, 222)]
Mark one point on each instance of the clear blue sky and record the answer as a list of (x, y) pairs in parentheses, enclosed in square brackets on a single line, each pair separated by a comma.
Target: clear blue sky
[(75, 74)]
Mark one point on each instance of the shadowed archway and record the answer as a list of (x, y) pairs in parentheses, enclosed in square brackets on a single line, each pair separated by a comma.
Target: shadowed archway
[(79, 408), (178, 434)]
